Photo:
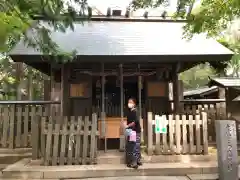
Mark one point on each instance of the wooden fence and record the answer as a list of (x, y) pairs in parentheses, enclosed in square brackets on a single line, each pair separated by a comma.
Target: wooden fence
[(185, 135), (66, 140), (215, 110), (16, 122)]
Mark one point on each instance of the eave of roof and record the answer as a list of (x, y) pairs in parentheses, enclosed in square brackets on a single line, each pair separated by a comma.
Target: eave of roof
[(224, 82), (119, 19), (237, 98), (200, 91)]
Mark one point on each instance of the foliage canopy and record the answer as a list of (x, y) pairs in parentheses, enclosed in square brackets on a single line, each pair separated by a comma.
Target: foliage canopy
[(18, 16)]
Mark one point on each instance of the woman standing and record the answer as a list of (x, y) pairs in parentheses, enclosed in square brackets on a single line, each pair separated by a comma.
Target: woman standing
[(133, 151)]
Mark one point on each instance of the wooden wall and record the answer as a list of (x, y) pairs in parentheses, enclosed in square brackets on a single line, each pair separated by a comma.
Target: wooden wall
[(81, 95)]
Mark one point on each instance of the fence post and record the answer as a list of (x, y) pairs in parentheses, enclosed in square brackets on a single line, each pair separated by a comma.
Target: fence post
[(150, 134), (93, 138), (32, 117), (35, 137), (205, 132), (178, 134), (12, 126)]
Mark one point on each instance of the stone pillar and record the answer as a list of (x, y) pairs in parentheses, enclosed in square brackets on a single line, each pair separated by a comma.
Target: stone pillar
[(227, 149)]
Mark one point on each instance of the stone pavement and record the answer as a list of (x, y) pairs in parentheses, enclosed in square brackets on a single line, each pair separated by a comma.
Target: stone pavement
[(26, 169), (188, 177), (151, 178), (141, 178)]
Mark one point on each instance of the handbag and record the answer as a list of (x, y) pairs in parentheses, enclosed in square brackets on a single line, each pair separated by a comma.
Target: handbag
[(132, 135)]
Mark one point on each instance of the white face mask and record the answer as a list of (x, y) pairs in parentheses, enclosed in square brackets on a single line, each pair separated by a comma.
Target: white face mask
[(130, 106)]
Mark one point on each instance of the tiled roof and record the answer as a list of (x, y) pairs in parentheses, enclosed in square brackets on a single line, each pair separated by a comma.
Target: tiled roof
[(129, 38)]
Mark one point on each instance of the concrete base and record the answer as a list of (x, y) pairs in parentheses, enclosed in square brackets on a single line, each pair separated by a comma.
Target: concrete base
[(32, 170)]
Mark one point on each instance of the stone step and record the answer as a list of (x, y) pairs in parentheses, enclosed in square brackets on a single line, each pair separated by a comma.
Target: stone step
[(25, 169), (15, 151), (10, 156), (116, 157), (203, 176), (3, 166)]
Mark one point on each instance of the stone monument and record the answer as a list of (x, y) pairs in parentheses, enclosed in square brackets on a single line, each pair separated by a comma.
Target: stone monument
[(227, 149)]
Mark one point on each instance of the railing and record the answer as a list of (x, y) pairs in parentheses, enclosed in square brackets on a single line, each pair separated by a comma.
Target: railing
[(65, 140), (185, 135), (16, 119)]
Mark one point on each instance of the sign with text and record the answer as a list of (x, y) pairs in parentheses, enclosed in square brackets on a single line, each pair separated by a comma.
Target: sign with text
[(160, 124), (227, 149), (156, 89), (79, 90)]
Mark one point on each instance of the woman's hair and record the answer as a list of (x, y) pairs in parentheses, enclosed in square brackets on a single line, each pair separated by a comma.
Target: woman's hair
[(133, 100)]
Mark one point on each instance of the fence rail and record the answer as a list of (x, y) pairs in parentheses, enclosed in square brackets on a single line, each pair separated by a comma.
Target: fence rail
[(66, 140), (185, 135)]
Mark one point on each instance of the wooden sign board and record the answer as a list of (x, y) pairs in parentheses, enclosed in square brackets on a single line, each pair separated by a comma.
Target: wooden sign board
[(156, 89), (79, 90)]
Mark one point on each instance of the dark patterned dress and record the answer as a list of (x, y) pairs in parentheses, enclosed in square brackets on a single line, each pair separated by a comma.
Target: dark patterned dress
[(133, 151)]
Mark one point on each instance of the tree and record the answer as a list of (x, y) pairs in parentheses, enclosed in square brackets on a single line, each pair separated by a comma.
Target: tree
[(211, 16), (18, 16), (231, 40), (192, 80)]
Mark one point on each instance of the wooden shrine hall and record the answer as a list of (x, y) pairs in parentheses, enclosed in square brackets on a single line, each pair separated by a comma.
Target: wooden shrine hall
[(119, 58)]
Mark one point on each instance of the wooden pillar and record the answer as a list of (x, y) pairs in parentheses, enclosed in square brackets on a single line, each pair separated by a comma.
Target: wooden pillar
[(103, 113), (55, 96), (46, 90), (177, 89), (176, 99), (55, 89), (140, 100), (181, 97), (228, 101), (122, 137), (222, 95), (65, 110)]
